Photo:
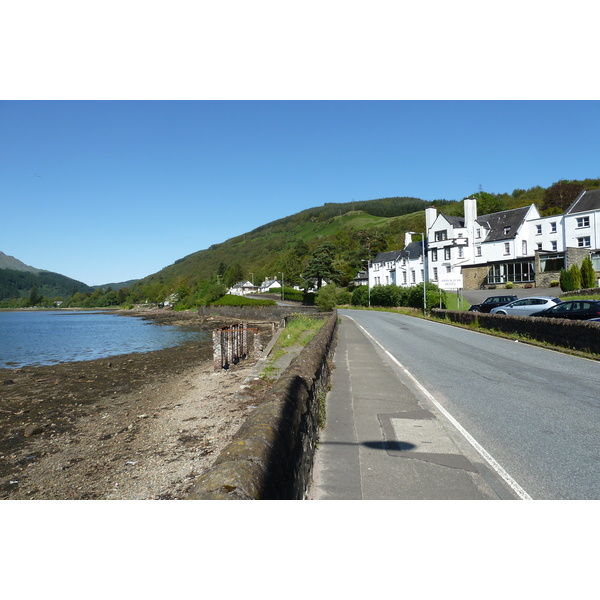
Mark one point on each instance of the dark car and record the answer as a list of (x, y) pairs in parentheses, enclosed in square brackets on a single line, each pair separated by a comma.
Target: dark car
[(492, 302), (572, 309)]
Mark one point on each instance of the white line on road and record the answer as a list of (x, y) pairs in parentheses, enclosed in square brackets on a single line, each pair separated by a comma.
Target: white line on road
[(484, 453)]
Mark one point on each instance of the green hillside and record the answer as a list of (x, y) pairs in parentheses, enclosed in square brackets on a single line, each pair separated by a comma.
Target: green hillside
[(20, 284)]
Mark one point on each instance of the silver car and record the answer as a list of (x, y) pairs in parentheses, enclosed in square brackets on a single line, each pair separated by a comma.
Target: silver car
[(526, 306)]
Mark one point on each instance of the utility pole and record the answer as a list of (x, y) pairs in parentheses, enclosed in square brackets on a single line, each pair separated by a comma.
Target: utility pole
[(368, 281), (282, 293)]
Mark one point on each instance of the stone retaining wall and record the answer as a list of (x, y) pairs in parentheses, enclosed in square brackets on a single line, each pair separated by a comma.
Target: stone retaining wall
[(578, 335), (254, 313), (271, 456)]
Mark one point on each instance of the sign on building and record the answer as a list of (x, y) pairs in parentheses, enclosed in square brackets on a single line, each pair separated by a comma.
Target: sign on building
[(450, 281)]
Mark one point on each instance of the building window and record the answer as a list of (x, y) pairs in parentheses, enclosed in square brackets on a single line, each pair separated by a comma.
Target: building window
[(413, 276), (538, 230), (478, 233), (507, 248), (478, 250), (520, 272), (539, 246), (553, 227), (404, 276), (524, 247), (435, 274), (461, 252), (506, 230), (440, 236), (554, 246), (583, 221), (448, 269), (434, 255), (584, 242), (446, 253)]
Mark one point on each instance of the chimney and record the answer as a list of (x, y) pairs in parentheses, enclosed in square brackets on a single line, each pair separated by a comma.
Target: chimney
[(470, 212), (430, 216), (407, 238)]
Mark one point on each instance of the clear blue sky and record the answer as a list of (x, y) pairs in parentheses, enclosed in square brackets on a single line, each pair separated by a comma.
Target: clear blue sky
[(106, 191)]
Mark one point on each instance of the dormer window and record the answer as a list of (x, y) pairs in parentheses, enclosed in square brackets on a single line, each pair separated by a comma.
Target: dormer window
[(440, 236)]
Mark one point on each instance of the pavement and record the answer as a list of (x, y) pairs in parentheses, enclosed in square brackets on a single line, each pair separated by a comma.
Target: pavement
[(383, 440)]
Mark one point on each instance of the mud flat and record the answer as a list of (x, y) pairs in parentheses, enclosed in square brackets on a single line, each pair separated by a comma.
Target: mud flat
[(135, 426)]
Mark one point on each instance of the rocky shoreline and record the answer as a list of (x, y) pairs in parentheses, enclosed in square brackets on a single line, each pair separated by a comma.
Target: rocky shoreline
[(135, 426)]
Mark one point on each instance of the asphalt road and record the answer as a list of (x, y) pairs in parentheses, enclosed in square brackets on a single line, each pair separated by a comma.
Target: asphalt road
[(534, 412)]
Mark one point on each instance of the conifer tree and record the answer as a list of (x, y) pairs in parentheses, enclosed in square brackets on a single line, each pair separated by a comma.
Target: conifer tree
[(588, 274)]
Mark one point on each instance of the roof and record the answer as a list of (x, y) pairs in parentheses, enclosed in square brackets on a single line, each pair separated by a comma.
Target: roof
[(587, 201), (455, 221), (413, 250), (387, 256), (503, 225)]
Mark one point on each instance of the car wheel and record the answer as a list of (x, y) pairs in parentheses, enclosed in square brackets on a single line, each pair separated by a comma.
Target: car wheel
[(501, 312)]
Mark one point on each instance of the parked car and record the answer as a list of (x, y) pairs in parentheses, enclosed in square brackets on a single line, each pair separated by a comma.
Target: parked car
[(572, 309), (526, 306), (491, 302)]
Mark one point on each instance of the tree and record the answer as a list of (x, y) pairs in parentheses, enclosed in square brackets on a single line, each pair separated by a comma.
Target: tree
[(566, 281), (320, 266), (34, 297), (588, 273), (575, 272), (560, 195)]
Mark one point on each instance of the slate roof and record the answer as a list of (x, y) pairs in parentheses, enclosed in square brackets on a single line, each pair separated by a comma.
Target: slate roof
[(455, 221), (387, 256), (413, 250), (497, 223), (588, 200)]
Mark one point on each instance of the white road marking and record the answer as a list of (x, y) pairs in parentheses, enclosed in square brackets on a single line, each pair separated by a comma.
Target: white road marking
[(482, 451)]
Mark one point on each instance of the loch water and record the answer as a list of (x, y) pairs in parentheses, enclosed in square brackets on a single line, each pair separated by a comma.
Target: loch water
[(49, 337)]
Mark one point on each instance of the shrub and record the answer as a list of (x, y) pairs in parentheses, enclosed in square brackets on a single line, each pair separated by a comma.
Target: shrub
[(576, 275), (385, 295), (588, 274), (326, 298), (344, 297), (566, 281), (509, 285), (360, 296)]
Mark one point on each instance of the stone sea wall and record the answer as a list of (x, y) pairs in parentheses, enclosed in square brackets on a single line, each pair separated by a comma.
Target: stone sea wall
[(271, 456)]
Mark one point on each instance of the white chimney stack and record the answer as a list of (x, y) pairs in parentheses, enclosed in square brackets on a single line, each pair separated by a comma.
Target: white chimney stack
[(407, 238)]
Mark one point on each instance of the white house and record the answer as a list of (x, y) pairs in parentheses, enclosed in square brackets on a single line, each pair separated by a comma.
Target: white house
[(242, 288), (399, 267), (268, 284), (582, 224), (515, 245)]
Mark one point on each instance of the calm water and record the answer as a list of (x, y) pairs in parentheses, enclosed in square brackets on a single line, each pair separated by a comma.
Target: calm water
[(50, 337)]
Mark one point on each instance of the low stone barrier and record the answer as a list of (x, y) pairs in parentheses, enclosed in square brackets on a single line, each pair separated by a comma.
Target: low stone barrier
[(271, 456), (578, 335), (254, 313)]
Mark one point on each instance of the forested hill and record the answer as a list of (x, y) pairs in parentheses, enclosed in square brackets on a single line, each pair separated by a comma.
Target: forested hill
[(357, 228), (21, 283)]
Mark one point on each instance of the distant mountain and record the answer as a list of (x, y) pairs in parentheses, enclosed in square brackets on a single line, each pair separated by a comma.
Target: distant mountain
[(18, 279), (10, 262)]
